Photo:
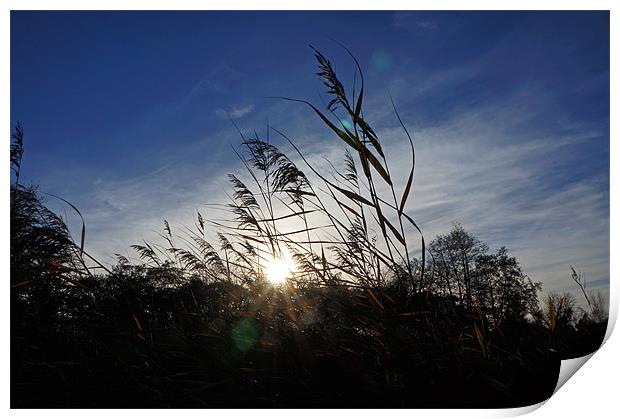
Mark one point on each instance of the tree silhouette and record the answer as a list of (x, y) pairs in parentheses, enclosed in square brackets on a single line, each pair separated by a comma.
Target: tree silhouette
[(491, 282)]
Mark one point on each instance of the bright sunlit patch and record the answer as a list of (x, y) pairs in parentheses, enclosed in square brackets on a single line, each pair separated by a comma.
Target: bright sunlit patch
[(279, 269)]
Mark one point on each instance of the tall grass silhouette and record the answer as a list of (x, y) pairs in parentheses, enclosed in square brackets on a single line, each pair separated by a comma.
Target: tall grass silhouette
[(359, 246)]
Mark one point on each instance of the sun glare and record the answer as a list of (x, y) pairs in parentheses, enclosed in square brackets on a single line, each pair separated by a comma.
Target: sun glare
[(279, 269)]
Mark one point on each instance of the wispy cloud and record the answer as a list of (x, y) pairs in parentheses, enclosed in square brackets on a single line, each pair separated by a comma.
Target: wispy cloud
[(492, 168), (426, 24), (409, 21), (235, 112), (219, 79), (125, 213)]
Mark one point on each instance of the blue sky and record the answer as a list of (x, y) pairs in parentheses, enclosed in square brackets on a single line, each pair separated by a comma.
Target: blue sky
[(125, 115)]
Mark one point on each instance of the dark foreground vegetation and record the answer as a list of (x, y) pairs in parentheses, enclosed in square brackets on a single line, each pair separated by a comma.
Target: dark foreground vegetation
[(360, 323)]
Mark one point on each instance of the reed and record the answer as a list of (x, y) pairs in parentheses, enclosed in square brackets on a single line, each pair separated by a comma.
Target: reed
[(363, 244)]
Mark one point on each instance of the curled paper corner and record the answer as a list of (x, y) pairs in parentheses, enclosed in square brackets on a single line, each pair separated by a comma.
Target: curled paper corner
[(520, 411), (568, 368), (611, 320)]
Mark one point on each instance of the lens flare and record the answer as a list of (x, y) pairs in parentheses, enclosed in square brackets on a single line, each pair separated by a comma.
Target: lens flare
[(347, 124), (381, 61)]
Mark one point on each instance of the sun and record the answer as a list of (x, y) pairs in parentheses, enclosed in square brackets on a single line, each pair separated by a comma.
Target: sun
[(278, 269)]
